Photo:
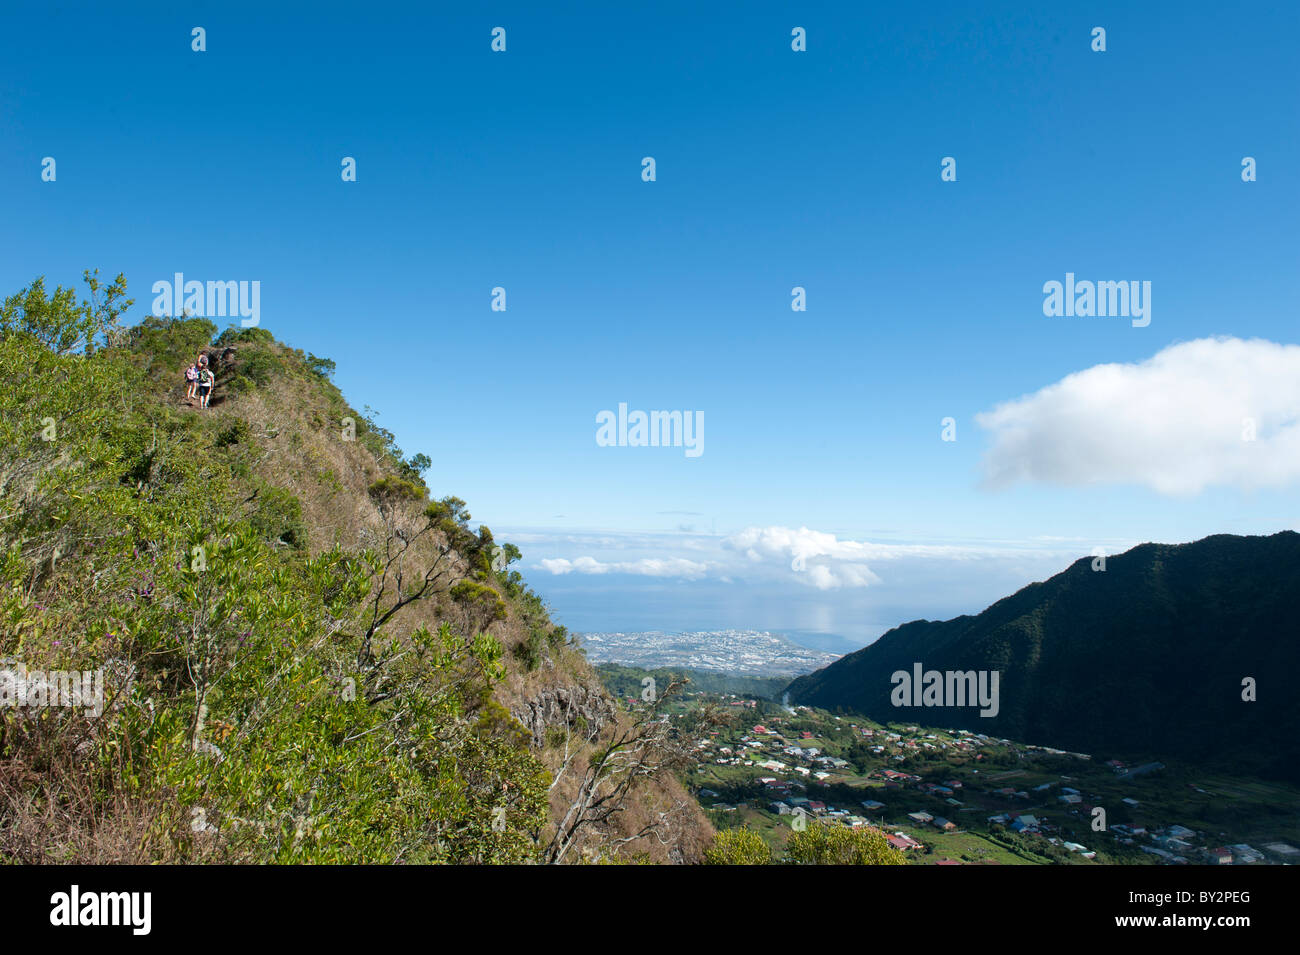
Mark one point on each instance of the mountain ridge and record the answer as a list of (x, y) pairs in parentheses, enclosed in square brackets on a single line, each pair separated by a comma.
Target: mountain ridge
[(1146, 656), (305, 657)]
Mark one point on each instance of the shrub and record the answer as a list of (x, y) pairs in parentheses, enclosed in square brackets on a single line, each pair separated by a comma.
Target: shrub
[(481, 604), (234, 335), (277, 517), (237, 432), (532, 649), (822, 844), (254, 369), (166, 345), (740, 846), (390, 492)]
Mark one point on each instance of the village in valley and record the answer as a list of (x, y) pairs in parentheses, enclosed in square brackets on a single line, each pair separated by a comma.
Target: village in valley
[(954, 797)]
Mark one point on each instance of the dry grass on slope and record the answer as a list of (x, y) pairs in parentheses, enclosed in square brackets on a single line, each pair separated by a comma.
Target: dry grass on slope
[(295, 438)]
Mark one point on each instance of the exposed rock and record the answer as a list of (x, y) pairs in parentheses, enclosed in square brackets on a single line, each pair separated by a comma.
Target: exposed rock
[(569, 707)]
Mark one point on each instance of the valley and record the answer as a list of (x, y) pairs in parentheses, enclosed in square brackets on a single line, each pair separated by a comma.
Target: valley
[(947, 796)]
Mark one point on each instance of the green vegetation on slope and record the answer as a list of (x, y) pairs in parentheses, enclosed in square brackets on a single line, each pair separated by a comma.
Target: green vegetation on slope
[(276, 688)]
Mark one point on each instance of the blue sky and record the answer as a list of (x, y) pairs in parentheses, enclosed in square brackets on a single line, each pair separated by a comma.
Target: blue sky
[(775, 169)]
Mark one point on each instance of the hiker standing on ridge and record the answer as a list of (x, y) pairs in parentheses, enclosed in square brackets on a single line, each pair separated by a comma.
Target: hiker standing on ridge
[(191, 381), (206, 382)]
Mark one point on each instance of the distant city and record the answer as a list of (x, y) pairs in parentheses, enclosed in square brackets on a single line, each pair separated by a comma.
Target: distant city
[(748, 652)]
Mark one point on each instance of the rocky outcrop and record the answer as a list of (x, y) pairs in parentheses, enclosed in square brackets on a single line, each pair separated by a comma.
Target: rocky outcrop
[(574, 707)]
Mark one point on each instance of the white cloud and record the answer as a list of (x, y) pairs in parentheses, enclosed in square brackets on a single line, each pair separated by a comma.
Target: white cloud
[(645, 567), (822, 559), (776, 557), (1174, 422), (826, 562), (758, 543)]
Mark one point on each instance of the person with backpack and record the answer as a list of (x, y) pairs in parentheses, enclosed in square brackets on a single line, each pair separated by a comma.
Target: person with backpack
[(206, 383)]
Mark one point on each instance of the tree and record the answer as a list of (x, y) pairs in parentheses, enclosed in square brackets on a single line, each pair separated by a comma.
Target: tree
[(59, 321), (419, 463), (324, 367), (609, 762)]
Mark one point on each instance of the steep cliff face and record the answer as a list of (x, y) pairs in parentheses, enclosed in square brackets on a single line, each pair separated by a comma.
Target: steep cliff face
[(549, 687)]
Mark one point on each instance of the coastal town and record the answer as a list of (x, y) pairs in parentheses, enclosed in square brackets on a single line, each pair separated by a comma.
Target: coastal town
[(741, 652)]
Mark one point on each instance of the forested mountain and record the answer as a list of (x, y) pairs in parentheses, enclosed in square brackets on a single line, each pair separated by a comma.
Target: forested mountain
[(1147, 656)]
